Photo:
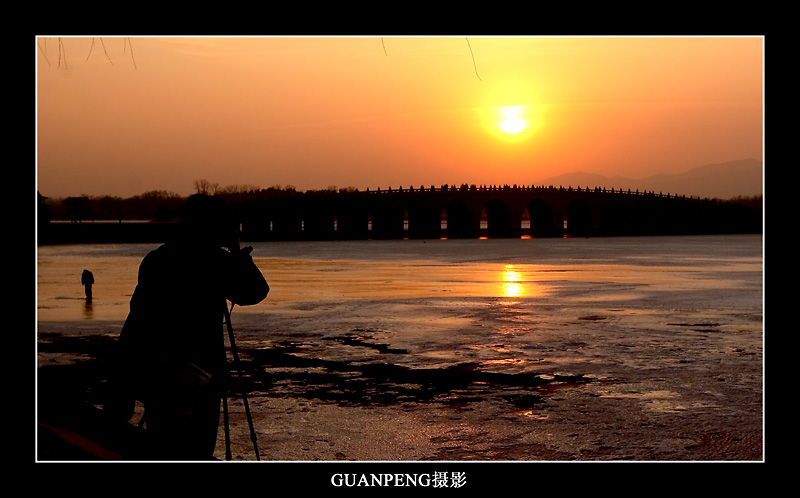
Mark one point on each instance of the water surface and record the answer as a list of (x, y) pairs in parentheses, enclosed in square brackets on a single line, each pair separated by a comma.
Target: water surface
[(618, 348)]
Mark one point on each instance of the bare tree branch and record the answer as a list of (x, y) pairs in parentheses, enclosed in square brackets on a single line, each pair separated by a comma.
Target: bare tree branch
[(473, 60)]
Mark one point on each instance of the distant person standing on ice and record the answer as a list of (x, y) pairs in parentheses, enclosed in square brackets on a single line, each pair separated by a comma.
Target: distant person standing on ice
[(172, 344), (87, 280)]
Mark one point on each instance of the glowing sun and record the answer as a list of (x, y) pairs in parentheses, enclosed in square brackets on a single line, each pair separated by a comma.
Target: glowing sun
[(512, 123), (511, 120), (512, 112)]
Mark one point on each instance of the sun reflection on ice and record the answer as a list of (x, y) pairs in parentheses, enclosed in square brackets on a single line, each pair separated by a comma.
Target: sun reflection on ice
[(514, 285)]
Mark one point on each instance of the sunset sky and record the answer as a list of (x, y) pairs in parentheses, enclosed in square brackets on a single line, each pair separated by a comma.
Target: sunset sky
[(123, 116)]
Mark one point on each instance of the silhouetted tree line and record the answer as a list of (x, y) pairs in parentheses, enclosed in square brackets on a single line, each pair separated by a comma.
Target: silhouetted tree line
[(755, 201), (160, 205), (155, 205)]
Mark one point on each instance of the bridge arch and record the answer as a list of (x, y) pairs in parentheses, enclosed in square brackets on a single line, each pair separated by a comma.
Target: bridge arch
[(498, 218), (645, 217), (352, 221), (319, 224), (287, 224), (456, 215), (578, 218), (612, 218), (386, 222), (423, 220), (542, 219)]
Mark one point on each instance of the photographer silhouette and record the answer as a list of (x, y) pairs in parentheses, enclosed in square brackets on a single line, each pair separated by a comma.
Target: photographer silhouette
[(172, 352)]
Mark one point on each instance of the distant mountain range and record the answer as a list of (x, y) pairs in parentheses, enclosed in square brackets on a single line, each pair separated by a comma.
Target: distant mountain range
[(722, 181)]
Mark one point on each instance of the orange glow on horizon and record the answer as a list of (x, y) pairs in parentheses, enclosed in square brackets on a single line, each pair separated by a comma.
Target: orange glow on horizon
[(147, 113)]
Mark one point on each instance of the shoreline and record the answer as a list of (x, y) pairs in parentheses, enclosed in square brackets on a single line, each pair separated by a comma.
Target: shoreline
[(135, 232)]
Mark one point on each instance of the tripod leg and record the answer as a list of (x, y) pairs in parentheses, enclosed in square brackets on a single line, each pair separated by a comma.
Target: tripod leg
[(239, 370), (227, 427), (250, 423)]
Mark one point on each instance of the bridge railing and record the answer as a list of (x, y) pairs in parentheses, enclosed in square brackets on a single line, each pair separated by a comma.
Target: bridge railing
[(523, 188)]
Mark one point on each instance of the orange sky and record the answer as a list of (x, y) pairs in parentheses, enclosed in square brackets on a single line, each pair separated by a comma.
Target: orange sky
[(370, 112)]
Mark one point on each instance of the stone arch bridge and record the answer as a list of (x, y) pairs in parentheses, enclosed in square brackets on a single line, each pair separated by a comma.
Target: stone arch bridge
[(473, 212)]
